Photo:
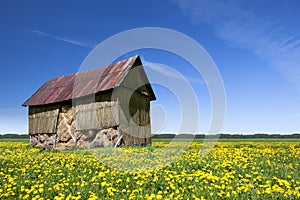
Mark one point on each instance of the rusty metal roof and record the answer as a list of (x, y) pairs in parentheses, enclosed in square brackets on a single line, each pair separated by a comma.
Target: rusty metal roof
[(82, 83)]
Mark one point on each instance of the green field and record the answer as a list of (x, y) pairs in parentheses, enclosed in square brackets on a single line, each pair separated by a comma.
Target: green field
[(13, 140), (232, 140)]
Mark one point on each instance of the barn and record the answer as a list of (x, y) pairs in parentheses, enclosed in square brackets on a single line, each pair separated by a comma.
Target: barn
[(103, 107)]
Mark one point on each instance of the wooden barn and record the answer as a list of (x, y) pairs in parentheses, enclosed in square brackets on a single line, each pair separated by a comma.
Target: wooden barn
[(104, 107)]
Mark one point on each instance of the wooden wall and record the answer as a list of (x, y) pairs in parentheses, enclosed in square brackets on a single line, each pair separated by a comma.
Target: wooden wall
[(43, 119), (96, 115), (134, 116), (133, 96)]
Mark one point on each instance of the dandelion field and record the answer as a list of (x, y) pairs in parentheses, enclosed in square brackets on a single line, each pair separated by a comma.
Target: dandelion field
[(230, 170)]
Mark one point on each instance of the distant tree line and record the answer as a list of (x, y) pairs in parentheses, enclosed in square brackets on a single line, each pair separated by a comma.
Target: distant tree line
[(13, 136), (227, 136)]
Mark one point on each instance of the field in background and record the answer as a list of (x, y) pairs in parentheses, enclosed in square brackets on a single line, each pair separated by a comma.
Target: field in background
[(233, 169), (14, 140), (181, 139), (229, 140)]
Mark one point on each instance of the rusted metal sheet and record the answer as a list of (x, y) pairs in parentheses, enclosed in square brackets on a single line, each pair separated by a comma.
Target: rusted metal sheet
[(81, 84)]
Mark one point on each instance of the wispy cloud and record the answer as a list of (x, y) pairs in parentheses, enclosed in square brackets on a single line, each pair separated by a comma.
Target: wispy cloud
[(238, 26), (63, 39), (169, 72)]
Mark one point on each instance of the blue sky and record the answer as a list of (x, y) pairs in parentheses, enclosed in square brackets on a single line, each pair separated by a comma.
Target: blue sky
[(255, 44)]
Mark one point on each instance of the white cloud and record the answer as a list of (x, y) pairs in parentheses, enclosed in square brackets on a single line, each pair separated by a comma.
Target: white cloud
[(63, 39), (169, 72), (238, 26)]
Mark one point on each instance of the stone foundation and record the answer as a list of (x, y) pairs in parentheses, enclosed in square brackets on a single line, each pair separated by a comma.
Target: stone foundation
[(45, 141), (101, 138), (65, 137), (88, 139)]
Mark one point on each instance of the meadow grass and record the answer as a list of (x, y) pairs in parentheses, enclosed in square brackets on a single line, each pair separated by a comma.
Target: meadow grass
[(14, 140), (230, 140), (232, 169)]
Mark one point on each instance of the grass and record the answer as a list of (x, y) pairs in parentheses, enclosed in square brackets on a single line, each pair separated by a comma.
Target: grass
[(14, 140), (230, 140)]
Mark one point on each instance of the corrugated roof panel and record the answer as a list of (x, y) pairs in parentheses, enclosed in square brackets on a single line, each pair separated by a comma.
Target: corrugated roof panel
[(86, 83)]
